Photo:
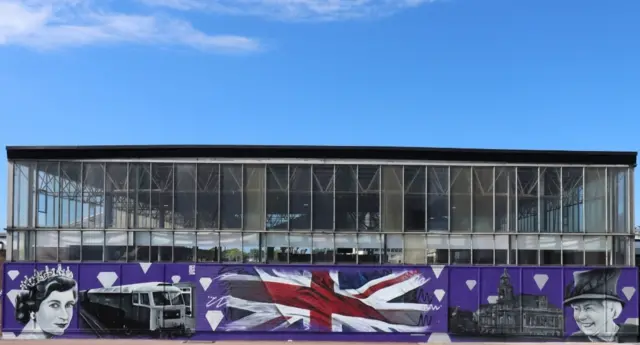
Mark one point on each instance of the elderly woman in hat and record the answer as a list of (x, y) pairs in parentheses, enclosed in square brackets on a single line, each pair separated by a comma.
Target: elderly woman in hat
[(596, 305)]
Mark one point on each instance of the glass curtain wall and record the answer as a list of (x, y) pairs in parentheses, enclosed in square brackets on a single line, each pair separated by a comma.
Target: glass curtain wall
[(306, 213)]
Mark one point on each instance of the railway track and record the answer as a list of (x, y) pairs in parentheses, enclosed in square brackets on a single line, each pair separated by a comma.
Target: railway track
[(95, 326)]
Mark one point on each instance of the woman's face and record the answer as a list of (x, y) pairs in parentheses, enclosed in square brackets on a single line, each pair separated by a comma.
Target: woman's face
[(56, 312)]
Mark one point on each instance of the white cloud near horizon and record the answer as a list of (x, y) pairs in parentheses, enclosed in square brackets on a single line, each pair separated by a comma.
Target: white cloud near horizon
[(293, 10), (54, 24), (51, 24)]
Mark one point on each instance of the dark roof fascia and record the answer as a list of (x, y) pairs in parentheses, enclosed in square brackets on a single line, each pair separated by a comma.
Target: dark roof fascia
[(322, 152)]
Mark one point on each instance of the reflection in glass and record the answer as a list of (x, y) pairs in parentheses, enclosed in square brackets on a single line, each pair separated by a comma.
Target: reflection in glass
[(92, 245), (595, 200), (368, 197), (415, 249), (437, 249), (116, 196), (231, 196), (185, 198), (69, 242), (300, 197), (300, 248), (393, 249), (93, 195), (47, 245), (184, 246), (369, 248), (505, 191), (116, 246), (231, 247), (460, 250), (527, 250), (322, 248), (572, 250), (323, 193), (207, 246), (23, 191), (550, 182), (47, 198), (550, 250), (251, 251), (277, 245), (618, 199), (161, 246), (595, 250), (346, 248), (70, 194), (482, 249), (162, 195)]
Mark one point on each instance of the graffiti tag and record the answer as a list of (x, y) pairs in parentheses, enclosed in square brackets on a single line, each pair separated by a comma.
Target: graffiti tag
[(217, 302), (424, 296)]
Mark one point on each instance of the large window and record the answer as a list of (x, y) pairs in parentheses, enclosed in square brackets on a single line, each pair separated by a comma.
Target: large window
[(414, 198), (278, 197), (460, 199), (254, 197), (116, 198), (184, 207), (300, 197), (208, 196), (392, 198), (323, 197), (346, 197), (438, 198), (231, 196)]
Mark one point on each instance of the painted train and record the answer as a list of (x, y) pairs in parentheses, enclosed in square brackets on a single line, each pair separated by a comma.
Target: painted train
[(139, 308)]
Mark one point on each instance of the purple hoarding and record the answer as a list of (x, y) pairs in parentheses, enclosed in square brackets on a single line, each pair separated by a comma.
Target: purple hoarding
[(427, 303)]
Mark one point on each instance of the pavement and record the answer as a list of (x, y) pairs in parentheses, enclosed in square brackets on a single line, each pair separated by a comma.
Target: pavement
[(173, 342)]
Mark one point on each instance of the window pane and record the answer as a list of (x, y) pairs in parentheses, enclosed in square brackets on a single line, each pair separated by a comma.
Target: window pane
[(527, 194), (617, 188), (483, 199), (620, 251), (139, 188), (572, 198), (323, 189), (369, 248), (393, 250), (48, 194), (505, 198), (527, 250), (184, 244), (368, 197), (550, 180), (346, 248), (185, 197), (254, 197), (550, 250), (322, 248), (207, 249), (346, 197), (415, 247), (231, 196), (595, 203), (231, 247), (47, 245), (116, 245), (69, 246), (460, 199), (482, 249), (116, 196), (161, 246), (572, 250), (300, 197), (23, 245), (93, 195), (162, 195), (414, 198), (595, 250), (71, 195), (460, 249), (502, 250), (437, 198), (392, 198), (24, 177), (141, 246), (92, 245), (437, 249), (251, 248), (277, 245), (300, 251), (208, 194), (277, 196)]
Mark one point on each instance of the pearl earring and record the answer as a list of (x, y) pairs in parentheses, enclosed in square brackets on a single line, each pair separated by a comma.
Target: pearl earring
[(32, 315)]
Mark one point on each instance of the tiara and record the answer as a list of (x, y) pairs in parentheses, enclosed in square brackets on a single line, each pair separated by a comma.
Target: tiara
[(47, 273)]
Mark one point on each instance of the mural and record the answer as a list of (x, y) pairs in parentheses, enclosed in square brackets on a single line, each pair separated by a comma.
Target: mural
[(422, 303)]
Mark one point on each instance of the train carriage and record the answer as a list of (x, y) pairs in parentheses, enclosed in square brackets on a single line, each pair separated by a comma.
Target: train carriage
[(148, 307)]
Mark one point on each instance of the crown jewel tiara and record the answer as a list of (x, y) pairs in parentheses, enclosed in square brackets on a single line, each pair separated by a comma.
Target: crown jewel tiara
[(47, 273)]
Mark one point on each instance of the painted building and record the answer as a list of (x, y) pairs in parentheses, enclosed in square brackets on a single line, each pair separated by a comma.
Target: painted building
[(334, 243)]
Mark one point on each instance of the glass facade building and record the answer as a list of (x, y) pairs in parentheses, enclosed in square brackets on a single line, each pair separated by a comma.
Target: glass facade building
[(320, 205)]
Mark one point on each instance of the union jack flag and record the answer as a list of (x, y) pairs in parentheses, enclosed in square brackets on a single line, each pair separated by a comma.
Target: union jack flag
[(261, 299)]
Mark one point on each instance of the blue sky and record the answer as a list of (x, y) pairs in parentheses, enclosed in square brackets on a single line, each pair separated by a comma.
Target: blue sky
[(542, 74)]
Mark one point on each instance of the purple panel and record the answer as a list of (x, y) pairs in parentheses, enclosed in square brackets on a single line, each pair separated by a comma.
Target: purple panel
[(601, 304), (364, 303)]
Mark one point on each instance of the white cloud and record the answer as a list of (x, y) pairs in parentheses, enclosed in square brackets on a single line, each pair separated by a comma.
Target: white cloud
[(49, 24), (294, 9)]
